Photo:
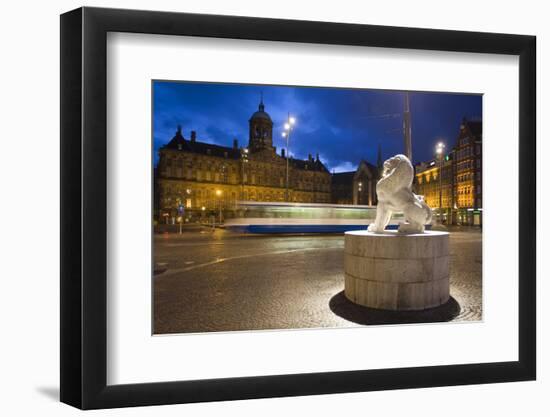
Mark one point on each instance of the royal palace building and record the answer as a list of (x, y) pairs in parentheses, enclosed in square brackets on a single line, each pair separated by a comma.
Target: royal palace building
[(461, 180), (194, 176)]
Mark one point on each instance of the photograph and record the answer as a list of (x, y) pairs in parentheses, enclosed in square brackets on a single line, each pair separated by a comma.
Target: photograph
[(279, 207), (311, 203)]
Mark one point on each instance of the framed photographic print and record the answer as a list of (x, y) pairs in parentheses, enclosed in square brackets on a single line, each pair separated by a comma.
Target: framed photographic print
[(257, 208)]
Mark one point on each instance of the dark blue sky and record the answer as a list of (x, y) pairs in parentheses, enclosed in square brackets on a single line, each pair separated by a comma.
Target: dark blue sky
[(343, 125)]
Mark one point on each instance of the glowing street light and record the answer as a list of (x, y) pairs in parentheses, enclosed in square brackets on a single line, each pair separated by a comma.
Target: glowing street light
[(439, 149), (219, 193), (289, 126), (244, 161)]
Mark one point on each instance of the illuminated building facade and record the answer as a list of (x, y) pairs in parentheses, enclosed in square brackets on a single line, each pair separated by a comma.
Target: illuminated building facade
[(468, 172), (461, 181), (194, 176)]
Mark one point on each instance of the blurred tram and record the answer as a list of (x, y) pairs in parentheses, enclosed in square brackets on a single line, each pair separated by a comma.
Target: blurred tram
[(256, 217)]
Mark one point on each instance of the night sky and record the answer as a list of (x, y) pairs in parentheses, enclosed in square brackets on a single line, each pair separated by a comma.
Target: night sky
[(342, 125)]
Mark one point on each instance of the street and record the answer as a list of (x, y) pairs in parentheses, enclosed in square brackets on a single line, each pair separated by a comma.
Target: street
[(220, 281)]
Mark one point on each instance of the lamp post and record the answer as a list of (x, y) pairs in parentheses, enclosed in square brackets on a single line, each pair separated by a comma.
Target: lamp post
[(244, 160), (289, 126), (439, 150), (219, 194), (181, 210)]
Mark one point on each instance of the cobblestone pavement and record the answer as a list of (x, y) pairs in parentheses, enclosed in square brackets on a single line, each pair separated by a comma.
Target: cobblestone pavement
[(220, 281)]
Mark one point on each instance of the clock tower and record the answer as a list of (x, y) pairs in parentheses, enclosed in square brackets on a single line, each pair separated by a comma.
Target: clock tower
[(261, 130)]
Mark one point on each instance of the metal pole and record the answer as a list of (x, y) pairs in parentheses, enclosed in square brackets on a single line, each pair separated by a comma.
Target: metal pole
[(287, 156), (407, 128), (286, 134), (440, 185)]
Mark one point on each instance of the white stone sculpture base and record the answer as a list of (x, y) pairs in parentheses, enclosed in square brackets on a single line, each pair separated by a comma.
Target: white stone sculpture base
[(395, 271)]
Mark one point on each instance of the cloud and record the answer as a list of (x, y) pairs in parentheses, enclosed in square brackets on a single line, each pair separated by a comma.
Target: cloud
[(344, 167)]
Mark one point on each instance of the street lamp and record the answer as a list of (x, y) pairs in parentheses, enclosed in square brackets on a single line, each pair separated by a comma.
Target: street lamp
[(218, 194), (244, 160), (289, 127), (439, 149), (180, 210)]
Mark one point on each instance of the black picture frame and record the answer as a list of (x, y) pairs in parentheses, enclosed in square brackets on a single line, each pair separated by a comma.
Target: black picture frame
[(84, 207)]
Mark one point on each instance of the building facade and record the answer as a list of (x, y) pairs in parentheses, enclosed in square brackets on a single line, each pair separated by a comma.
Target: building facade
[(197, 177), (461, 180), (468, 172), (428, 184), (356, 187)]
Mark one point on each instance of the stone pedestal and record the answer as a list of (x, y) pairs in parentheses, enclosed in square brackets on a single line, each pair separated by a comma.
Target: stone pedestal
[(394, 271)]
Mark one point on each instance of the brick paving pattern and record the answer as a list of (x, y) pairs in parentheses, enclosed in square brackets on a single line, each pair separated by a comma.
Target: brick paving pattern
[(221, 281)]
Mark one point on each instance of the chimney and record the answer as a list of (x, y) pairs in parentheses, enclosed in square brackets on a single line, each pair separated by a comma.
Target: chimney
[(309, 157), (283, 152), (317, 157), (193, 136), (235, 144)]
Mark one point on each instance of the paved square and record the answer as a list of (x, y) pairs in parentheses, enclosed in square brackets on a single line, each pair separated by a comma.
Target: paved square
[(221, 281)]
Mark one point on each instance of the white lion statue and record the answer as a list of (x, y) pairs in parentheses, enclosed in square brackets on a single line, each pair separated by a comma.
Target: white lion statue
[(395, 195)]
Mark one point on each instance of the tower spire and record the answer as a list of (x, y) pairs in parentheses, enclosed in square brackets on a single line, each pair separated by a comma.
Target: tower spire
[(261, 106)]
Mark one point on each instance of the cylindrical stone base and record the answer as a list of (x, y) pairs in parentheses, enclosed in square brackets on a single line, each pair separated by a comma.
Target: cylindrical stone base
[(395, 271)]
